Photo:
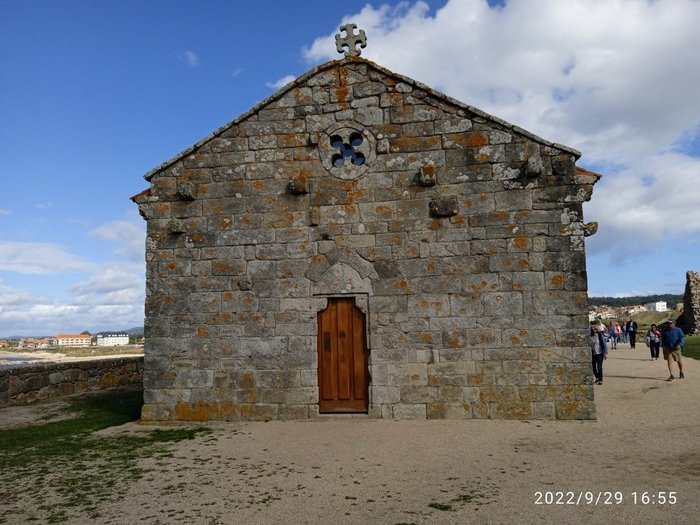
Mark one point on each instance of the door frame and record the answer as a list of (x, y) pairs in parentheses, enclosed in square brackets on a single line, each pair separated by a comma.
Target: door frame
[(360, 302)]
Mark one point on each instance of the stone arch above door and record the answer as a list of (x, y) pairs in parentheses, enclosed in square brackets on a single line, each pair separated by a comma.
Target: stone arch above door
[(341, 279)]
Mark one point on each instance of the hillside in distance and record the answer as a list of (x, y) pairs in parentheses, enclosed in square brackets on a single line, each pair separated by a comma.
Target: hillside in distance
[(671, 300)]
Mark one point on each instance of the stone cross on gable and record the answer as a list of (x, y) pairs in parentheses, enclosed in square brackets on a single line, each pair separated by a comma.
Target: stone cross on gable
[(350, 40)]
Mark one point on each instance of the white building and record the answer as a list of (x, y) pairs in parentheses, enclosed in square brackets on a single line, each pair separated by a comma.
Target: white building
[(112, 339), (658, 306)]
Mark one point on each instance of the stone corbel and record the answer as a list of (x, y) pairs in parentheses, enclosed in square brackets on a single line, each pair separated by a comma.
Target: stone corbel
[(297, 185), (427, 176), (186, 191), (176, 226), (444, 207), (590, 228)]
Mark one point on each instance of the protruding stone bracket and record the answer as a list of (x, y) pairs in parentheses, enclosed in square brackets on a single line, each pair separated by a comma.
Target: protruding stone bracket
[(298, 184), (176, 226), (444, 207), (427, 176), (186, 191), (590, 228), (534, 167)]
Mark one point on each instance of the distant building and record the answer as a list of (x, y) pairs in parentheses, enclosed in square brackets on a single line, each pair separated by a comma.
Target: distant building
[(44, 342), (72, 340), (658, 306), (112, 339)]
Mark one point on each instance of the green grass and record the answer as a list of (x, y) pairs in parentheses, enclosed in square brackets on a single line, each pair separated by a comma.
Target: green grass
[(65, 461), (691, 348)]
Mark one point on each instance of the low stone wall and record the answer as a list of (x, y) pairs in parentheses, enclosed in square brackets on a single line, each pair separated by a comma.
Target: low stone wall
[(27, 384)]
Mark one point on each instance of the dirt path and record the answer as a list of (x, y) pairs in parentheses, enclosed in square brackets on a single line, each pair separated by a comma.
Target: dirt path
[(390, 472)]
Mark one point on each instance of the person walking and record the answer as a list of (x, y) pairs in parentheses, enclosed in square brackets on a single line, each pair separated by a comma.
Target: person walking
[(612, 336), (599, 349), (632, 332), (672, 342), (653, 341)]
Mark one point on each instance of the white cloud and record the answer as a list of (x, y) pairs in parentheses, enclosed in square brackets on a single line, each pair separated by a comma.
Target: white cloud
[(616, 80), (40, 258), (281, 82), (130, 233), (191, 58), (5, 212)]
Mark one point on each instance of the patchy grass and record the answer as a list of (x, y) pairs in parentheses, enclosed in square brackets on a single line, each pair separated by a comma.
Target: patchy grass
[(692, 347), (52, 471)]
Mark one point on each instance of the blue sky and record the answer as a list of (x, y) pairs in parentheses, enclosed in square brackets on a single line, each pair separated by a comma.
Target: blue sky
[(93, 94)]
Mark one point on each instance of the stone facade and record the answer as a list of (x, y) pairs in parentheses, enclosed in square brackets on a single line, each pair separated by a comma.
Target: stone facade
[(27, 384), (459, 236), (689, 321)]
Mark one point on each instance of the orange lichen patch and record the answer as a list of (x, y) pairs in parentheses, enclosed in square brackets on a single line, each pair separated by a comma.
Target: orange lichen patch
[(429, 170), (342, 90), (228, 296), (557, 281), (247, 380), (318, 259), (349, 208), (197, 237), (226, 316), (415, 377), (248, 299), (383, 209), (468, 203), (483, 197), (431, 266), (258, 185), (523, 264), (198, 411), (404, 144), (225, 224), (245, 219), (348, 185), (202, 189), (517, 285), (470, 139), (501, 215), (202, 331), (162, 209), (221, 267), (514, 340), (434, 224), (402, 284), (172, 266), (521, 242), (426, 336), (458, 219), (396, 239), (280, 220), (353, 196)]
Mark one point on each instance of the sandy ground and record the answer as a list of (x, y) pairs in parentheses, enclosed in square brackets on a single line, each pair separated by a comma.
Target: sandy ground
[(645, 443), (37, 357)]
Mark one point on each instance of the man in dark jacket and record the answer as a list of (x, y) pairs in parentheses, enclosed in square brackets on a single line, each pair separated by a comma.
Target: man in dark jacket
[(672, 341), (632, 332)]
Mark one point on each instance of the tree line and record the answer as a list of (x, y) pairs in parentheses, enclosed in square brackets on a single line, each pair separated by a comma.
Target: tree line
[(671, 300)]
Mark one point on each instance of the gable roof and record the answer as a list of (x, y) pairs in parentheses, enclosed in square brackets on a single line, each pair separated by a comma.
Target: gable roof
[(300, 81)]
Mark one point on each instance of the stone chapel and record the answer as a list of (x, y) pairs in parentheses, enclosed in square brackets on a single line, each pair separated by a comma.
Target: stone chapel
[(360, 243)]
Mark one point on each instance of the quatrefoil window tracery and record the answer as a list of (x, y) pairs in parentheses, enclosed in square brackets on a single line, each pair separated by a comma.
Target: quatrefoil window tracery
[(347, 151)]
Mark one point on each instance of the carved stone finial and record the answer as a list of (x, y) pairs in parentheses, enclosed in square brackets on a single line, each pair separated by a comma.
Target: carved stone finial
[(350, 40)]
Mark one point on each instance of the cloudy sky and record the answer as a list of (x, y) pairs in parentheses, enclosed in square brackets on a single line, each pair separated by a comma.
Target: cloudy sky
[(93, 94)]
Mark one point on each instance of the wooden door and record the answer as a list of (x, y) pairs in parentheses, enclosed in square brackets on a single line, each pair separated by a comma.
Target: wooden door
[(343, 373)]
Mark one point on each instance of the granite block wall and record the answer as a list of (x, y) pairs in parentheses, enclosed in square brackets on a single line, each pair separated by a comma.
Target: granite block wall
[(460, 236)]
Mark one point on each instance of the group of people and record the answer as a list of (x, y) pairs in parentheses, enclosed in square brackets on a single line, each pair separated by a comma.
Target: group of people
[(622, 333), (669, 337)]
